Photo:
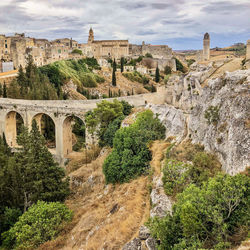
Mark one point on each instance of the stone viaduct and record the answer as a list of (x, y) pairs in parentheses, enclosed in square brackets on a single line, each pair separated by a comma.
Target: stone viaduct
[(62, 113)]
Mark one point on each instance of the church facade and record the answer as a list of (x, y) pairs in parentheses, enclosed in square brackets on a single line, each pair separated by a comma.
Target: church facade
[(114, 49)]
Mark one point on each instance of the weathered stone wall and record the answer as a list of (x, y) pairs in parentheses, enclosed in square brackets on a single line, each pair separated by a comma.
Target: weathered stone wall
[(248, 50)]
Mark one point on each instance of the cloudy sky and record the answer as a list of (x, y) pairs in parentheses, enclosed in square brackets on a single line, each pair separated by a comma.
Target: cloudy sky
[(178, 23)]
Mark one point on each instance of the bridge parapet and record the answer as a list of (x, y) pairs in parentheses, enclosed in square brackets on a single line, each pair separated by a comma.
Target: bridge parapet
[(59, 111)]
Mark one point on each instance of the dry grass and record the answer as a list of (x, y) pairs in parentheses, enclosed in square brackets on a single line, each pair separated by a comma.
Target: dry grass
[(158, 149), (78, 159), (105, 217)]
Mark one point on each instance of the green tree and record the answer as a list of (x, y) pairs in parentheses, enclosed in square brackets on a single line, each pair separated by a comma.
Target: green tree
[(157, 75), (97, 121), (1, 89), (130, 156), (209, 215), (42, 222), (76, 51), (167, 70), (4, 90), (148, 55), (113, 74), (122, 64), (31, 174), (179, 66), (111, 130)]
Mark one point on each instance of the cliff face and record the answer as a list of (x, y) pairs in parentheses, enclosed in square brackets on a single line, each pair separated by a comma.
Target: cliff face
[(227, 135)]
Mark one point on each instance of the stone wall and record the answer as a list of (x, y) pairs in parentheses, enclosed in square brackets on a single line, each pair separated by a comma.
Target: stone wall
[(248, 50)]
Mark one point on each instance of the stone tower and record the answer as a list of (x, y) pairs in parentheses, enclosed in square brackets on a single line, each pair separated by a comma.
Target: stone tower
[(91, 36), (248, 50), (206, 47)]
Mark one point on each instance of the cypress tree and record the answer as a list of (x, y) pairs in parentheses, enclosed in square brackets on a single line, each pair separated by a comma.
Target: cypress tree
[(113, 74), (1, 90), (122, 64), (157, 75), (4, 90), (119, 92)]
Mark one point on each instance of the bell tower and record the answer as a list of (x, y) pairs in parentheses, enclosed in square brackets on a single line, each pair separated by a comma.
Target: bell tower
[(206, 47), (91, 36)]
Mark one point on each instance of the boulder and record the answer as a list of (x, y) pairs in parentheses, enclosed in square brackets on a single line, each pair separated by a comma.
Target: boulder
[(134, 244), (144, 233)]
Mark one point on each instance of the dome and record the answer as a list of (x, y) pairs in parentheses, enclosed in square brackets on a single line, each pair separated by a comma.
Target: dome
[(206, 36)]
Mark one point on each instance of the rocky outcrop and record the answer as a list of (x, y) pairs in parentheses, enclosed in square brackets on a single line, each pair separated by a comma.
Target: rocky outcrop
[(228, 136), (161, 203)]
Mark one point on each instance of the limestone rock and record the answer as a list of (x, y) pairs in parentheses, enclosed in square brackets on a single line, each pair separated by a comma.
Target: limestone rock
[(144, 233), (151, 244), (229, 138), (173, 119), (162, 204), (135, 244)]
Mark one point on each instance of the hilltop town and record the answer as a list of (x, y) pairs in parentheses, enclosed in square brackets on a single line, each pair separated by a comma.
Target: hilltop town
[(16, 48)]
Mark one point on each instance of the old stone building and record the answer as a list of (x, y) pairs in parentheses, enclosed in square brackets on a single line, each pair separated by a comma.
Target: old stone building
[(206, 47), (114, 49), (157, 51)]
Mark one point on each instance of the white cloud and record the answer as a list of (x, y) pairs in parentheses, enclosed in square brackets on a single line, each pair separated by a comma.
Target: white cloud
[(153, 21)]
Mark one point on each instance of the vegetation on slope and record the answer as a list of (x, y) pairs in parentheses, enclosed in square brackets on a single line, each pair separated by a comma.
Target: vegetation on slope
[(130, 156), (29, 175), (45, 83), (80, 72), (211, 207), (99, 120)]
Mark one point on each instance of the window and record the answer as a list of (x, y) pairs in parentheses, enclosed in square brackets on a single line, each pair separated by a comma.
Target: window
[(6, 46)]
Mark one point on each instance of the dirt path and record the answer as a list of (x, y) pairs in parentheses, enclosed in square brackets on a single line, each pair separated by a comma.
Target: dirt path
[(230, 66), (158, 152)]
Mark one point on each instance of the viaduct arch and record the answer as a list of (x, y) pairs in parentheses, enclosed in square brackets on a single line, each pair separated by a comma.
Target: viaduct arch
[(61, 112)]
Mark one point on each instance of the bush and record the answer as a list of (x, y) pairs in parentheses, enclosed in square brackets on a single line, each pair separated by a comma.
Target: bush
[(179, 66), (42, 222), (190, 62), (175, 176), (148, 55), (130, 156), (111, 130), (77, 51), (207, 216), (136, 77), (99, 119), (212, 115), (167, 70)]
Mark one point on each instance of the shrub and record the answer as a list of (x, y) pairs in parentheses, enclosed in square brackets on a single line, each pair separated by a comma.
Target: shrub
[(136, 77), (42, 222), (167, 70), (179, 66), (111, 130), (190, 62), (207, 216), (76, 51), (212, 115), (99, 119), (130, 156), (175, 176)]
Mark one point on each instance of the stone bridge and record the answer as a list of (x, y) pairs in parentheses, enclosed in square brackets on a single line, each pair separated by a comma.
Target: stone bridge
[(62, 113)]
